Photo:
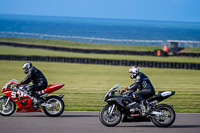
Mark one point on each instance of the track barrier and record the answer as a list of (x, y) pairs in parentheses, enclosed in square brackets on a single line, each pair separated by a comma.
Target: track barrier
[(151, 64)]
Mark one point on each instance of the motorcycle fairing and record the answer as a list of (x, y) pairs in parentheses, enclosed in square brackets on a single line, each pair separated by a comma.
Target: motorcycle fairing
[(19, 98), (51, 88), (118, 100)]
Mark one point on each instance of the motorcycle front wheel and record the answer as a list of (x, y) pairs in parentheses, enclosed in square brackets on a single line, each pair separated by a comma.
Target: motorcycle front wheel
[(108, 119), (56, 107), (7, 108), (167, 118)]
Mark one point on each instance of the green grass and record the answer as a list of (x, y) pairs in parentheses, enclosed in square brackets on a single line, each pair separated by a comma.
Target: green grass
[(192, 50), (73, 44), (40, 52), (86, 85), (65, 43)]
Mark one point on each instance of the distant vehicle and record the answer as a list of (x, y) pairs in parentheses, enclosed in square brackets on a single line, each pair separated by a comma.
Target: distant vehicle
[(52, 106), (111, 114)]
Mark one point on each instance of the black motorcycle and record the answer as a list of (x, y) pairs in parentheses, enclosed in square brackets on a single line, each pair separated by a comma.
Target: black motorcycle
[(161, 115)]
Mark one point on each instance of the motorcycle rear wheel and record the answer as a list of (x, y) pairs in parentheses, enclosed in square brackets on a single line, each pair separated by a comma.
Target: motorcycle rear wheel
[(107, 120), (57, 108), (9, 109), (168, 117)]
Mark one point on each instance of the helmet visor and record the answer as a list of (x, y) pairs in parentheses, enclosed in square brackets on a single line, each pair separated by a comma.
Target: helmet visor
[(25, 70), (131, 73)]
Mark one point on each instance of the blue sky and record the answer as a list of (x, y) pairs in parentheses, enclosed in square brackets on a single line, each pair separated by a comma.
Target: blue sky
[(164, 10)]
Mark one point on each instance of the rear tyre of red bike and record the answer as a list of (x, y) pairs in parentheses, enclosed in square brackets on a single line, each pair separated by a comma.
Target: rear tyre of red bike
[(56, 108)]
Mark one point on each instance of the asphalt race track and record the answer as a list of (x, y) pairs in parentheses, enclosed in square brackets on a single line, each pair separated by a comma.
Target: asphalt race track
[(88, 122)]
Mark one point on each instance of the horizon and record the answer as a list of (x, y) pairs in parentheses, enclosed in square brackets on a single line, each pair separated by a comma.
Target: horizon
[(102, 18)]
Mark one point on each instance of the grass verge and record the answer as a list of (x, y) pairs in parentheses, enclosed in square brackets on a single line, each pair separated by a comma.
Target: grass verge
[(73, 44), (41, 52), (86, 85), (65, 43)]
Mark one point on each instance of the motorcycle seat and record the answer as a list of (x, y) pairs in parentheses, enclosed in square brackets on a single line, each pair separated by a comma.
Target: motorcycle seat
[(161, 94), (153, 97)]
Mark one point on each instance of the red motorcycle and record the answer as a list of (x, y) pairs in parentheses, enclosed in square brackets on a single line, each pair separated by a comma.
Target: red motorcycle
[(52, 106)]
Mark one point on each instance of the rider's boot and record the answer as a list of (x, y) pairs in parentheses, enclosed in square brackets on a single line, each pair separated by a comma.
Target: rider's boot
[(38, 100), (147, 107), (143, 106)]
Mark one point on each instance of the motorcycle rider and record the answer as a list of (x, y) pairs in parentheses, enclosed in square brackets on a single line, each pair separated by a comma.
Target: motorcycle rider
[(37, 78), (144, 85)]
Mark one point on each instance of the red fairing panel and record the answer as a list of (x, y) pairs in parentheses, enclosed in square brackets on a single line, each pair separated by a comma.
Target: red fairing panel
[(5, 87), (53, 87), (23, 98)]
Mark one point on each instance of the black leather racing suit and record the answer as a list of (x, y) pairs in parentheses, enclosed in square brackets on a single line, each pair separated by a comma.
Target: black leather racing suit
[(37, 78), (144, 85)]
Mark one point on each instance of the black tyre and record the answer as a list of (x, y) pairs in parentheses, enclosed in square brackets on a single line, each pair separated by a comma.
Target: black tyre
[(110, 120), (9, 109), (167, 118), (57, 106)]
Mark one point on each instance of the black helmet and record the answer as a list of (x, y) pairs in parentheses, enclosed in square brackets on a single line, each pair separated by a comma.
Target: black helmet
[(26, 67)]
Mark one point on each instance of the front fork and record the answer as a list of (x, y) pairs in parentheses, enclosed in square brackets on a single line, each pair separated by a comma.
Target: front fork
[(110, 110), (6, 103)]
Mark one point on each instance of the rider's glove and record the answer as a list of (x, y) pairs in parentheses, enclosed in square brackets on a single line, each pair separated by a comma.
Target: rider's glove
[(18, 84), (125, 90)]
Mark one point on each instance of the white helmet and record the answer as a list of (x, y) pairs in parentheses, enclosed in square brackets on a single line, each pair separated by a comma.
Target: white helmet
[(134, 71), (26, 67)]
